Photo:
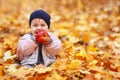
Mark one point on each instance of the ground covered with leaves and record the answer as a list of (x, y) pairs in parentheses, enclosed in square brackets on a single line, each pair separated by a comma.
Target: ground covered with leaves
[(89, 31)]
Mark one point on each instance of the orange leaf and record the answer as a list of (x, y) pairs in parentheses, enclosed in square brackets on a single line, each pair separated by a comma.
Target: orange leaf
[(1, 70)]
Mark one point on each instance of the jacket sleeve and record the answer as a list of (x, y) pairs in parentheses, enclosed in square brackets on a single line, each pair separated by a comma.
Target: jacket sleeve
[(55, 46), (25, 47)]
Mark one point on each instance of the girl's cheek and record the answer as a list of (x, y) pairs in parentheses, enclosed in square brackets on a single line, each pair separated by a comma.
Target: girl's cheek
[(33, 31), (45, 29)]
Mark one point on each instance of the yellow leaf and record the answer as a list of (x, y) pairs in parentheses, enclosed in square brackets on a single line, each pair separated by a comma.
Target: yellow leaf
[(92, 48), (75, 64), (10, 68), (56, 76), (89, 57), (93, 63), (23, 72), (6, 55), (1, 54), (115, 74), (72, 38), (40, 69), (97, 69), (108, 76), (80, 4), (82, 53)]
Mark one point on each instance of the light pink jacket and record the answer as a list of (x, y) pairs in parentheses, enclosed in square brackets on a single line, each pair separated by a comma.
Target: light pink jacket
[(27, 50)]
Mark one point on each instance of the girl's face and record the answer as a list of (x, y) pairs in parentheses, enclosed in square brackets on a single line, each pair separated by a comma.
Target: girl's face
[(37, 25)]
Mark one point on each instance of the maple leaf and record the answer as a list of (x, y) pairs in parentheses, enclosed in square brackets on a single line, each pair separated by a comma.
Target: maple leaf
[(74, 64), (92, 48), (56, 76), (61, 64), (8, 56), (82, 53), (11, 68), (23, 73), (42, 69)]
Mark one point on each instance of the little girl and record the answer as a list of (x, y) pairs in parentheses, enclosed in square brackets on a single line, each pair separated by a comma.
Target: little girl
[(32, 53)]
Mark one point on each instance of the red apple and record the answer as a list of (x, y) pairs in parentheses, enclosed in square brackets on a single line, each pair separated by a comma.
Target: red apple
[(42, 36)]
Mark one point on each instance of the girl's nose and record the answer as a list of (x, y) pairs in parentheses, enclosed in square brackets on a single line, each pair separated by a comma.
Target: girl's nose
[(39, 27)]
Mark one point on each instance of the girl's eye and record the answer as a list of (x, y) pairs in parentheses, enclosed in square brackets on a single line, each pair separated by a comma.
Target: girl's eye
[(42, 24), (35, 25)]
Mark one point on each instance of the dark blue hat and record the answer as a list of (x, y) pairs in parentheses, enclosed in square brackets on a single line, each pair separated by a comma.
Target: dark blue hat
[(40, 14)]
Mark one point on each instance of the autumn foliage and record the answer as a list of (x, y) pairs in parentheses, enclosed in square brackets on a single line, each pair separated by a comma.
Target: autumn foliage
[(89, 31)]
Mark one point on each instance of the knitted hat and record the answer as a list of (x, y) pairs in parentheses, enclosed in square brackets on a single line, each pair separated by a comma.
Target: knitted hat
[(40, 14)]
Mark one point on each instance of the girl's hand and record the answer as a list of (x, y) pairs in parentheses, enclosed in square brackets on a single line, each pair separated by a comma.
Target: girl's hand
[(48, 41)]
